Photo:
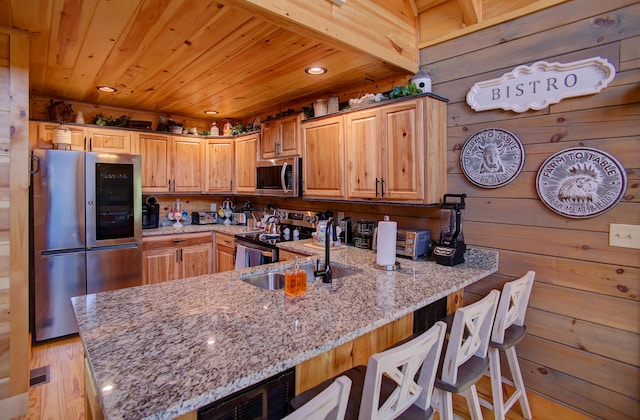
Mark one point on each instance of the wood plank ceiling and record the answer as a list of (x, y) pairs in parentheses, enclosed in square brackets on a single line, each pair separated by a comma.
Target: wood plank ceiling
[(239, 57)]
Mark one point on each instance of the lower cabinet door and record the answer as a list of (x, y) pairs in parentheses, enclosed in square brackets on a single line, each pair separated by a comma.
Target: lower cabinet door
[(224, 259), (160, 265), (195, 260)]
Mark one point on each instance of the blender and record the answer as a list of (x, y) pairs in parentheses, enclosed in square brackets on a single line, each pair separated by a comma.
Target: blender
[(451, 247)]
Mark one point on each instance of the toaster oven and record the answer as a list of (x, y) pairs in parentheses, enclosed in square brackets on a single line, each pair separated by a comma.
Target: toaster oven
[(412, 243)]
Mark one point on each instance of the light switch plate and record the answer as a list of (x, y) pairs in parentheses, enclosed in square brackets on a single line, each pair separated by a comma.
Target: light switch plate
[(626, 236)]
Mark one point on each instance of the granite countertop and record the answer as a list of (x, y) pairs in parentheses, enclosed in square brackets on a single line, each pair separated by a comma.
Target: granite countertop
[(170, 348), (170, 230)]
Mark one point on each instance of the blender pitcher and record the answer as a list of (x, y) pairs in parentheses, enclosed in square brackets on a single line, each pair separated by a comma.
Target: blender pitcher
[(451, 247)]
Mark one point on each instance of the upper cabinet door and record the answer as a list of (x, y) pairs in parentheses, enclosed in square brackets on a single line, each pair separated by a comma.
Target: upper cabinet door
[(44, 132), (245, 170), (188, 164), (270, 139), (155, 150), (365, 151), (281, 137), (289, 136), (323, 158), (219, 165), (403, 142), (112, 141)]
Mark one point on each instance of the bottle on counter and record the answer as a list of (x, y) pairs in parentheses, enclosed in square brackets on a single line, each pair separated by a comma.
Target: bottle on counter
[(295, 281)]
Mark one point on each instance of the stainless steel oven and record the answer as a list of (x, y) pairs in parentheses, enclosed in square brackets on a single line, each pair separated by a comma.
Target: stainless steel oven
[(279, 177)]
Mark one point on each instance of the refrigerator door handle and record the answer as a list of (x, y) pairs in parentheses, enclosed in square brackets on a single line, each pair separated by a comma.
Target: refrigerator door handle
[(35, 164)]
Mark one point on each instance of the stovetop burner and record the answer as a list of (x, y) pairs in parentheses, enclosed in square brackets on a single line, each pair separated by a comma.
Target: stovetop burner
[(300, 221)]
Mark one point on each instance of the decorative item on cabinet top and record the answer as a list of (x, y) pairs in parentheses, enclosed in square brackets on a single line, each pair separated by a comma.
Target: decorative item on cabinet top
[(541, 84), (492, 158), (581, 182)]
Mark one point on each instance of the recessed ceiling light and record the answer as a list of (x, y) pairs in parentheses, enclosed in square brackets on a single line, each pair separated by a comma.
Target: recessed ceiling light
[(315, 70), (108, 89), (209, 112)]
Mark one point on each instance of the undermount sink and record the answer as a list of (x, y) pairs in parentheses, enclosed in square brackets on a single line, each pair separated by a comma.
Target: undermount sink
[(275, 280), (269, 281), (338, 272)]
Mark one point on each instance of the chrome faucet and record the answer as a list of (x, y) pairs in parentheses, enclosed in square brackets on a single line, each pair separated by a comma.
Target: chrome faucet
[(326, 273)]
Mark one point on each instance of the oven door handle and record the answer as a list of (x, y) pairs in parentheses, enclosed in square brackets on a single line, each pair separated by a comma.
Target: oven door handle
[(282, 178)]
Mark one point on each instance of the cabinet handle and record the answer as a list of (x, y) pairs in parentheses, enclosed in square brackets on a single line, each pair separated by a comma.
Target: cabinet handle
[(90, 143), (84, 145), (382, 182), (377, 187), (177, 241), (180, 254), (177, 255)]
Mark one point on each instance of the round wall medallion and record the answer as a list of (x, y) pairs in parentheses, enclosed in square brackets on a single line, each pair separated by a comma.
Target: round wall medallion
[(492, 158), (581, 182)]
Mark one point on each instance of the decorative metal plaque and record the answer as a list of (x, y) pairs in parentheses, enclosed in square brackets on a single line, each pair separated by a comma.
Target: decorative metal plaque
[(581, 182), (492, 158)]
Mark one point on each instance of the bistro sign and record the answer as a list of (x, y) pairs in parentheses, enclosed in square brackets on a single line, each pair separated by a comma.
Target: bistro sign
[(541, 84)]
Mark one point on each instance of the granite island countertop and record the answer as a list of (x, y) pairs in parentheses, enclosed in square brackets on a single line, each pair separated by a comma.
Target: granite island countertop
[(167, 349)]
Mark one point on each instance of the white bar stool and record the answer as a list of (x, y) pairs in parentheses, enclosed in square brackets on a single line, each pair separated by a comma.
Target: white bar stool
[(386, 388), (330, 404), (465, 360), (508, 330)]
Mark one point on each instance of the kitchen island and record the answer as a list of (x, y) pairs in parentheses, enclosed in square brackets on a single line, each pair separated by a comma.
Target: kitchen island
[(165, 350)]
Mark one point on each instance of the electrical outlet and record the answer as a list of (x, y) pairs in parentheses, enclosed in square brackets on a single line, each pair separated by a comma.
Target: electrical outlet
[(626, 236)]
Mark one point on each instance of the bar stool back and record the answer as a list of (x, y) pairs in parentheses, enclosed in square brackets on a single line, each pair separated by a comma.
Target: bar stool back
[(508, 330), (330, 404), (386, 388), (465, 359)]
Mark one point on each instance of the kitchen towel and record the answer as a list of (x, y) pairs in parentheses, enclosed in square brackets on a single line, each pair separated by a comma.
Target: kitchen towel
[(241, 257), (255, 257), (386, 242)]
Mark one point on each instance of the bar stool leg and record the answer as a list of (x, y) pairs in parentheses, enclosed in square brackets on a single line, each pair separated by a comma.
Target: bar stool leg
[(443, 402), (496, 383), (516, 373), (473, 402)]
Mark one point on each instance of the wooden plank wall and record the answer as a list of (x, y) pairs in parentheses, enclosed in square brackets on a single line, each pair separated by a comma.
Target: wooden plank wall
[(14, 240), (583, 336)]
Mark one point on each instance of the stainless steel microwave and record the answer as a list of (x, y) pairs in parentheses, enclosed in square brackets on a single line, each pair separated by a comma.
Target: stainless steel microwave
[(279, 177)]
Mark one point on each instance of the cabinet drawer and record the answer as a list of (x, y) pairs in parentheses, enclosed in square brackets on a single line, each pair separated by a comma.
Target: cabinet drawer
[(225, 240), (185, 239)]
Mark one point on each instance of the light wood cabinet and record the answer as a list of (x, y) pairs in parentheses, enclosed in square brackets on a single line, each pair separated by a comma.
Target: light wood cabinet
[(188, 164), (108, 140), (172, 257), (155, 150), (89, 138), (219, 165), (323, 153), (245, 168), (171, 164), (386, 152), (280, 138), (225, 252), (42, 135), (92, 139)]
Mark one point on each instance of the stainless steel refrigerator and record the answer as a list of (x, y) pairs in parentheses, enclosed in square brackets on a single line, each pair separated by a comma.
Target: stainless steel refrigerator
[(87, 231)]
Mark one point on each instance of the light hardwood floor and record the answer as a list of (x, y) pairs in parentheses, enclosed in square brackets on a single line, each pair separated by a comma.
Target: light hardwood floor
[(63, 396)]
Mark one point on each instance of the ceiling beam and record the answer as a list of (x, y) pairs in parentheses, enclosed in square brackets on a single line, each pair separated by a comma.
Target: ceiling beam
[(471, 11), (384, 31)]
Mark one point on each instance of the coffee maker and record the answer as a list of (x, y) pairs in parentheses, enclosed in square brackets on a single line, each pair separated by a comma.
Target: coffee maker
[(451, 247), (150, 213)]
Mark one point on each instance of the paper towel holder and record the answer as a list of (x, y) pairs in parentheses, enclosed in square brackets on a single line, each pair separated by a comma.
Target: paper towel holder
[(390, 267)]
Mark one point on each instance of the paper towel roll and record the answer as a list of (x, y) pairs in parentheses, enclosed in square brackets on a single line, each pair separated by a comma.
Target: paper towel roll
[(386, 242)]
